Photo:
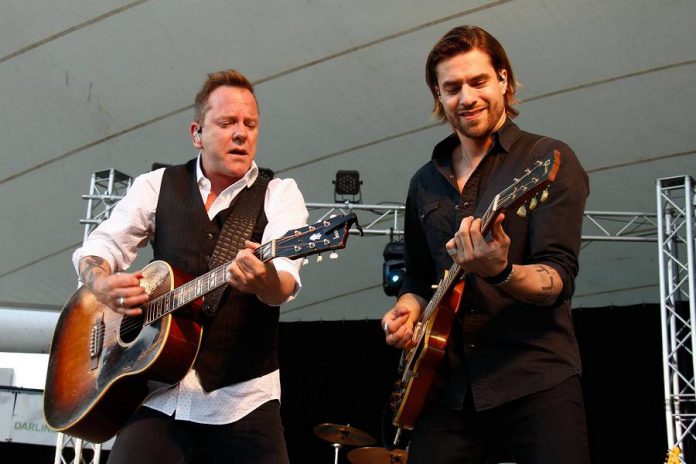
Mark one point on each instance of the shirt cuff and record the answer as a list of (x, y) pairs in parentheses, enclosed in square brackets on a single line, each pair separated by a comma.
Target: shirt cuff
[(292, 267)]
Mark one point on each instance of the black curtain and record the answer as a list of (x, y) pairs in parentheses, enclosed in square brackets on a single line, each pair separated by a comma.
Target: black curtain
[(342, 372)]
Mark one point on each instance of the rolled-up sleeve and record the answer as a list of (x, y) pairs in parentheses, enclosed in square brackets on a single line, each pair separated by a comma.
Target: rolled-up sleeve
[(285, 210), (556, 226)]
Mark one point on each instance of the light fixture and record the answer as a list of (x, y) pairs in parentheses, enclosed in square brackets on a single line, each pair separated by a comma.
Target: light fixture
[(347, 184), (394, 268)]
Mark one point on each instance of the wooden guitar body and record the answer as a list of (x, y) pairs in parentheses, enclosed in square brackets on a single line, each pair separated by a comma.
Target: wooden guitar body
[(103, 365), (419, 364)]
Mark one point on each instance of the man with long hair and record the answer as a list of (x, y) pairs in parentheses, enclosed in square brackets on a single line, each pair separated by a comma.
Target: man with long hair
[(509, 384)]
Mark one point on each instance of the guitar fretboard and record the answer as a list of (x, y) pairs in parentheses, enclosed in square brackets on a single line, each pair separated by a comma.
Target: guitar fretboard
[(196, 288), (532, 178)]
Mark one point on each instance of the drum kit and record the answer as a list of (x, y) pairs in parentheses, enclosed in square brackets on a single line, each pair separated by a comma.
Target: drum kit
[(345, 435)]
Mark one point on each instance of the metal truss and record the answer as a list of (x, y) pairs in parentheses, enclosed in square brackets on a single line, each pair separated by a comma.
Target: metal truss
[(79, 446), (106, 188), (597, 225), (384, 214), (619, 226), (675, 209)]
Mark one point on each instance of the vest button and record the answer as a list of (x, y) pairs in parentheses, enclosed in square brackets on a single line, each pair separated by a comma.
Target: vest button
[(210, 236)]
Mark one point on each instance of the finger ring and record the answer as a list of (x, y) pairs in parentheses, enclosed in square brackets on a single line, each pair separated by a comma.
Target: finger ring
[(451, 251), (386, 328), (122, 301)]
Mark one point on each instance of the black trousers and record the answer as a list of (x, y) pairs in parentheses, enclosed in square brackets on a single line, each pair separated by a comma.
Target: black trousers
[(547, 427), (151, 436)]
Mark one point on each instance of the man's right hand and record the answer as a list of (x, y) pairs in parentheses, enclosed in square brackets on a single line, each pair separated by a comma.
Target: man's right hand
[(399, 321), (120, 292)]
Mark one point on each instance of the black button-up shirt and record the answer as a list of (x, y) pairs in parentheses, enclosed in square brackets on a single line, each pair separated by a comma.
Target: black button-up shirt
[(504, 349)]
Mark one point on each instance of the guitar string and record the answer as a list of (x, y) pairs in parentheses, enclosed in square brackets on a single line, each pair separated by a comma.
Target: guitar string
[(135, 322), (509, 194), (131, 323)]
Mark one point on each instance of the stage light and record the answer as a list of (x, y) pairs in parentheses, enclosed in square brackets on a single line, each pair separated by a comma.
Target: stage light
[(347, 184), (394, 268)]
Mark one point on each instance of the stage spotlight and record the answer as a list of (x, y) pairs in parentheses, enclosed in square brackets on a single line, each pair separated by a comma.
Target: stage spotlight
[(394, 268), (347, 184)]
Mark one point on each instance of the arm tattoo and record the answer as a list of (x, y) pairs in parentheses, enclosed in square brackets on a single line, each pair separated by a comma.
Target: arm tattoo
[(91, 267), (547, 285)]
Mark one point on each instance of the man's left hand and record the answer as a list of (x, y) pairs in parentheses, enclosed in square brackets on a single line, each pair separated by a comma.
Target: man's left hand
[(473, 253), (249, 274)]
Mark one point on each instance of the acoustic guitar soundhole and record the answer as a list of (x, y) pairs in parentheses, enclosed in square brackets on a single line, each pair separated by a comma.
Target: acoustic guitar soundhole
[(131, 326)]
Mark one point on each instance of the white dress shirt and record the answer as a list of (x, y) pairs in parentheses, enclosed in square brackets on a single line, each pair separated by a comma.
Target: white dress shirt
[(130, 226)]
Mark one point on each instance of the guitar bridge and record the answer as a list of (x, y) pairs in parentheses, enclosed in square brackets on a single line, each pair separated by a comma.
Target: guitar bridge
[(96, 342)]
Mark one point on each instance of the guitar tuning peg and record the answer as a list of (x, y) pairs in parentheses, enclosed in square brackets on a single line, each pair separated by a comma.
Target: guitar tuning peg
[(320, 259), (333, 255), (305, 262), (522, 211), (544, 195), (533, 203)]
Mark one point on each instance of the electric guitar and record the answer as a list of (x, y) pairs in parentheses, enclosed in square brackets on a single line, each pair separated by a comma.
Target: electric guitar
[(103, 365), (418, 364)]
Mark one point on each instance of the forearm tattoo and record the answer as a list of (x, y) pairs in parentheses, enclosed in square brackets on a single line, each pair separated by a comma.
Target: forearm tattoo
[(91, 268), (547, 285)]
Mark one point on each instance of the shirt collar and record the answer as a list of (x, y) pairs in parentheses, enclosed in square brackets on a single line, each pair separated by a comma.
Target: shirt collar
[(503, 139), (246, 181)]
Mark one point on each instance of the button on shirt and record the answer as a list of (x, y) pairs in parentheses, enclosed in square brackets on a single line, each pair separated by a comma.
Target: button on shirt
[(130, 226)]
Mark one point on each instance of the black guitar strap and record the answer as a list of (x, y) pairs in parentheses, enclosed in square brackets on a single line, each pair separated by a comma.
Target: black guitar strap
[(237, 228), (511, 167)]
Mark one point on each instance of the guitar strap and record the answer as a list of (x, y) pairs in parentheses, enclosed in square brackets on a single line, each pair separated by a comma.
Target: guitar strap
[(510, 168), (238, 227)]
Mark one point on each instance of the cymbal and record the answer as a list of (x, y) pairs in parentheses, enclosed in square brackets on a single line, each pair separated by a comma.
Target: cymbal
[(343, 435), (378, 456)]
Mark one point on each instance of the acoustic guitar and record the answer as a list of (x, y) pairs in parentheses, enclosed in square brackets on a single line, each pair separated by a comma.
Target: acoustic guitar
[(418, 364), (103, 365)]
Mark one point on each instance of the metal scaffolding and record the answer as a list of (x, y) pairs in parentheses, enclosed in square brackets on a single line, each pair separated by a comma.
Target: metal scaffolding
[(106, 188), (675, 209)]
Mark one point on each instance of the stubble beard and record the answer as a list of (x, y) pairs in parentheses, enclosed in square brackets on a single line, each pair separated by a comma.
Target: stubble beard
[(479, 128)]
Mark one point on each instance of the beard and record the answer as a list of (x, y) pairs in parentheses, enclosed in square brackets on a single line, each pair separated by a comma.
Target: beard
[(483, 126)]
